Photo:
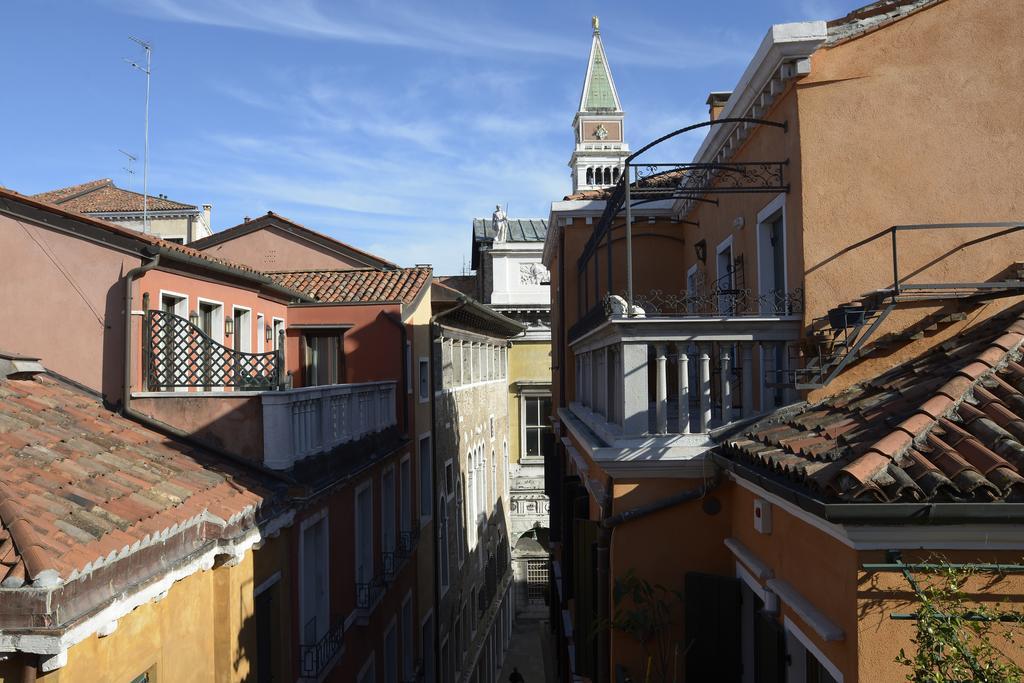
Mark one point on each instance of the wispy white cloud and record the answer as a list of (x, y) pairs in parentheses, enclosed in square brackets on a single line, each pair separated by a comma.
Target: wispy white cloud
[(430, 27)]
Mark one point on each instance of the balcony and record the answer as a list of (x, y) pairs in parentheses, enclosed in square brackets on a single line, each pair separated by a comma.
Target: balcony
[(299, 423), (657, 384), (238, 402), (315, 659), (368, 596)]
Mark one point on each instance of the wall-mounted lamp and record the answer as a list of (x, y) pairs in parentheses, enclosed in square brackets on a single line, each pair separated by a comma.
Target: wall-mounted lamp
[(193, 318), (701, 248), (269, 331), (229, 327)]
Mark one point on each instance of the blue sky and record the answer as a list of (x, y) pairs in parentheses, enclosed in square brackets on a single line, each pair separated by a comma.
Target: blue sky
[(388, 125)]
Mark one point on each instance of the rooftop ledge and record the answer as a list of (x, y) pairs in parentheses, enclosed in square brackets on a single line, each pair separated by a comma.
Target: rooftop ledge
[(278, 428), (690, 328)]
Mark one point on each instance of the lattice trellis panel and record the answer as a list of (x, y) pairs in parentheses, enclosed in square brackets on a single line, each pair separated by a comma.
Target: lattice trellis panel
[(181, 355)]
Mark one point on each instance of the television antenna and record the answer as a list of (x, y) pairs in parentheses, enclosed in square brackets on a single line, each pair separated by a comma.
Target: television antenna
[(145, 156), (130, 168)]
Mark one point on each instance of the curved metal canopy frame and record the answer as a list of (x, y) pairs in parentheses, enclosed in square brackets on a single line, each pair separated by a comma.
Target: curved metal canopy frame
[(695, 181)]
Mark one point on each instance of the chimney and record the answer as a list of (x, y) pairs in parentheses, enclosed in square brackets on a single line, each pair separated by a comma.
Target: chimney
[(716, 103), (245, 220), (207, 209)]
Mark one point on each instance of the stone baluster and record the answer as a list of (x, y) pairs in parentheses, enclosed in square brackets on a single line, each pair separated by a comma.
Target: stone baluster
[(634, 389), (724, 361), (661, 390), (705, 389), (683, 368), (748, 379)]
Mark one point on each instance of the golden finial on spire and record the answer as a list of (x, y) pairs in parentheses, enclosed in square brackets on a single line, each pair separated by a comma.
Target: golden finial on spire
[(597, 24)]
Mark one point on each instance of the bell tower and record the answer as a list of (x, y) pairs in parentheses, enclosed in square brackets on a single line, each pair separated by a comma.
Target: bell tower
[(601, 149)]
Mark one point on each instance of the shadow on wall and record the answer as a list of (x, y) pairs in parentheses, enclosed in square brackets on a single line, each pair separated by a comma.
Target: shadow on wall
[(493, 538)]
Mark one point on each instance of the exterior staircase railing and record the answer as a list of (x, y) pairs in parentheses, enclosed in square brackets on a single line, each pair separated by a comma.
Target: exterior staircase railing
[(848, 328)]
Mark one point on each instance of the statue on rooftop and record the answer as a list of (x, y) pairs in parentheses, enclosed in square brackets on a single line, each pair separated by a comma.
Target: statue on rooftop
[(499, 221)]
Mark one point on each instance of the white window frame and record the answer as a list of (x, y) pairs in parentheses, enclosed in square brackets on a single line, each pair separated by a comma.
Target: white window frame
[(408, 362), (218, 318), (525, 394), (405, 520), (368, 486), (429, 508), (274, 320), (449, 491), (774, 207), (423, 375), (321, 514), (369, 669), (261, 332), (383, 502), (727, 243), (392, 627), (425, 647), (407, 639), (443, 553), (181, 299), (796, 674), (246, 340)]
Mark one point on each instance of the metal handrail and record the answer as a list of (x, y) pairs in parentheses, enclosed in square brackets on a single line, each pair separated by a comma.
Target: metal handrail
[(313, 659), (897, 287)]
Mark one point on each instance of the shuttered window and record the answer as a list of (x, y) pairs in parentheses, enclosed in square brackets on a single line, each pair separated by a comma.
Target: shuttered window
[(712, 628)]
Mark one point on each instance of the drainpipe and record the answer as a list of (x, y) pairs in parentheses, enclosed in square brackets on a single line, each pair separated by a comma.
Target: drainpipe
[(129, 280), (608, 524), (126, 397), (30, 668), (433, 461), (604, 598)]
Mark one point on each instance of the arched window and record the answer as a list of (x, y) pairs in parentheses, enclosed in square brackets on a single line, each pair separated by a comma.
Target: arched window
[(615, 175), (607, 176), (590, 176)]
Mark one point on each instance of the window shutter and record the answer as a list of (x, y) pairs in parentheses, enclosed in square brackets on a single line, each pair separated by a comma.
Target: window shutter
[(712, 628), (771, 649)]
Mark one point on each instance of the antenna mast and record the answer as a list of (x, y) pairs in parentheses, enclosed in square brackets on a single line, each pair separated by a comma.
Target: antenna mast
[(130, 168), (145, 156)]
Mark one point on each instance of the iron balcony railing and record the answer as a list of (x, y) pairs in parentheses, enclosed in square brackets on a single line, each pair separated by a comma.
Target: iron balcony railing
[(313, 659), (724, 302), (180, 355), (368, 593), (407, 541)]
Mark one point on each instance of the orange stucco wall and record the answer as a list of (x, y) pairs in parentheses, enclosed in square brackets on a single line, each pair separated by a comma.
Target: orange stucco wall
[(916, 123), (203, 630), (273, 249)]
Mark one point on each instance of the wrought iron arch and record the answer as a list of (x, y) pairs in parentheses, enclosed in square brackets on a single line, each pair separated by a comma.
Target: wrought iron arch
[(643, 183)]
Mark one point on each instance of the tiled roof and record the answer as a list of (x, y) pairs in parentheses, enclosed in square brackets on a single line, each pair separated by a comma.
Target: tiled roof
[(519, 229), (276, 219), (356, 286), (102, 196), (666, 179), (81, 486), (871, 16), (945, 427), (145, 238)]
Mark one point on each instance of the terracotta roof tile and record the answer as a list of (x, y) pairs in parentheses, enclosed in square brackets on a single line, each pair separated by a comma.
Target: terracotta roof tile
[(102, 196), (356, 286), (946, 426), (68, 502)]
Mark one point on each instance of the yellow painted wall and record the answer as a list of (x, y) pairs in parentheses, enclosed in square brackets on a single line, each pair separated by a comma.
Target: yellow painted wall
[(203, 630), (527, 361)]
